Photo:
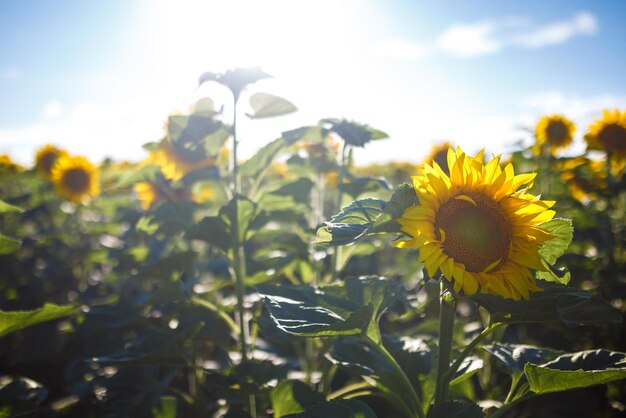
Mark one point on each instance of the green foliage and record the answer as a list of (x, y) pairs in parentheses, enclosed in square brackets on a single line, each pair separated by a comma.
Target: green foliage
[(267, 105), (16, 320), (562, 231), (292, 397)]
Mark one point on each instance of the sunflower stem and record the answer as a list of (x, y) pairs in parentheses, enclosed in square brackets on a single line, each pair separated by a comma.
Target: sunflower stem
[(447, 311)]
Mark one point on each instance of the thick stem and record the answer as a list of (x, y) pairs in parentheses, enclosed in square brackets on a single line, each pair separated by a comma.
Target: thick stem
[(447, 311), (342, 168)]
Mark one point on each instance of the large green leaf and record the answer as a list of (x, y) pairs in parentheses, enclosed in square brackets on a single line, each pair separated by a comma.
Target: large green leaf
[(6, 208), (293, 397), (456, 409), (338, 408), (576, 370), (267, 105), (8, 245), (562, 231), (347, 308), (196, 137), (556, 303), (11, 321), (351, 223)]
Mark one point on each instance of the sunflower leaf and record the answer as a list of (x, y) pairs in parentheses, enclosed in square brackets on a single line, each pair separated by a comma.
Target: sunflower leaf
[(576, 370), (267, 105), (456, 409), (555, 303), (338, 408), (8, 245), (562, 232), (349, 224), (5, 208), (11, 321), (293, 397)]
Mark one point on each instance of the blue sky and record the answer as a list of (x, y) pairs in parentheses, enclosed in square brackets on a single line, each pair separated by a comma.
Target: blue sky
[(100, 77)]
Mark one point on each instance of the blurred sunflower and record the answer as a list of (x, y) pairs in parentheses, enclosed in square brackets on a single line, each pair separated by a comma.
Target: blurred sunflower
[(553, 132), (203, 193), (175, 165), (46, 157), (7, 165), (478, 225), (75, 178), (147, 194), (439, 154), (583, 177), (609, 134)]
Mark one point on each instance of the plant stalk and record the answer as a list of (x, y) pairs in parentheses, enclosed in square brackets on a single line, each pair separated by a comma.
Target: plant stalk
[(447, 311)]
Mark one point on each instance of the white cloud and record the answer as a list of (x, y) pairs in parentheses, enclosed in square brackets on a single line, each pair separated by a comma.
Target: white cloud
[(488, 37), (470, 40), (401, 49), (52, 110), (583, 24)]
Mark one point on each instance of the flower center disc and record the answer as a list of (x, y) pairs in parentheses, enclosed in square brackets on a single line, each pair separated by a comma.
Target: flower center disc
[(475, 235), (76, 180), (613, 137), (557, 132)]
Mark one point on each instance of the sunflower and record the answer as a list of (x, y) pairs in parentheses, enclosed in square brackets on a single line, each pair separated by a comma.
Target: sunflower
[(439, 154), (609, 134), (46, 157), (175, 165), (147, 193), (478, 225), (555, 132), (8, 165), (75, 178)]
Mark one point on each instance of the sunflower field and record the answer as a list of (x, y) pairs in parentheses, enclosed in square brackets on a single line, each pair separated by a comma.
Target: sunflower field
[(298, 283)]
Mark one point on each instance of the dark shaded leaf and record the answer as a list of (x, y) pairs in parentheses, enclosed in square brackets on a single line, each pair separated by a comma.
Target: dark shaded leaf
[(556, 303), (292, 397), (456, 409), (353, 133), (349, 224), (338, 408), (358, 186)]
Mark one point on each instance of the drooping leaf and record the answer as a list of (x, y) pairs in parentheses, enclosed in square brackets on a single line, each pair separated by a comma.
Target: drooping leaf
[(351, 307), (456, 409), (576, 370), (563, 232), (236, 79), (293, 397), (8, 245), (338, 408), (11, 321), (556, 303), (353, 133), (468, 368), (267, 105), (7, 208)]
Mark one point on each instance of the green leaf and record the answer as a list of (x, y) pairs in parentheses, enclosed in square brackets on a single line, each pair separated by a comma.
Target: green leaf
[(214, 230), (168, 408), (299, 190), (577, 370), (349, 224), (347, 308), (204, 106), (353, 133), (262, 159), (515, 356), (11, 321), (236, 79), (8, 245), (360, 185), (7, 208), (242, 210), (555, 304), (148, 173), (468, 368), (292, 397), (456, 409), (562, 231), (338, 408), (267, 105), (196, 137)]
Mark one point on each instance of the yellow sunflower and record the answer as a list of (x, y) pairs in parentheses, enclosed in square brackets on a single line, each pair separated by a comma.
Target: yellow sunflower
[(609, 134), (46, 157), (173, 164), (439, 154), (147, 193), (478, 225), (75, 178), (554, 132), (8, 165)]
